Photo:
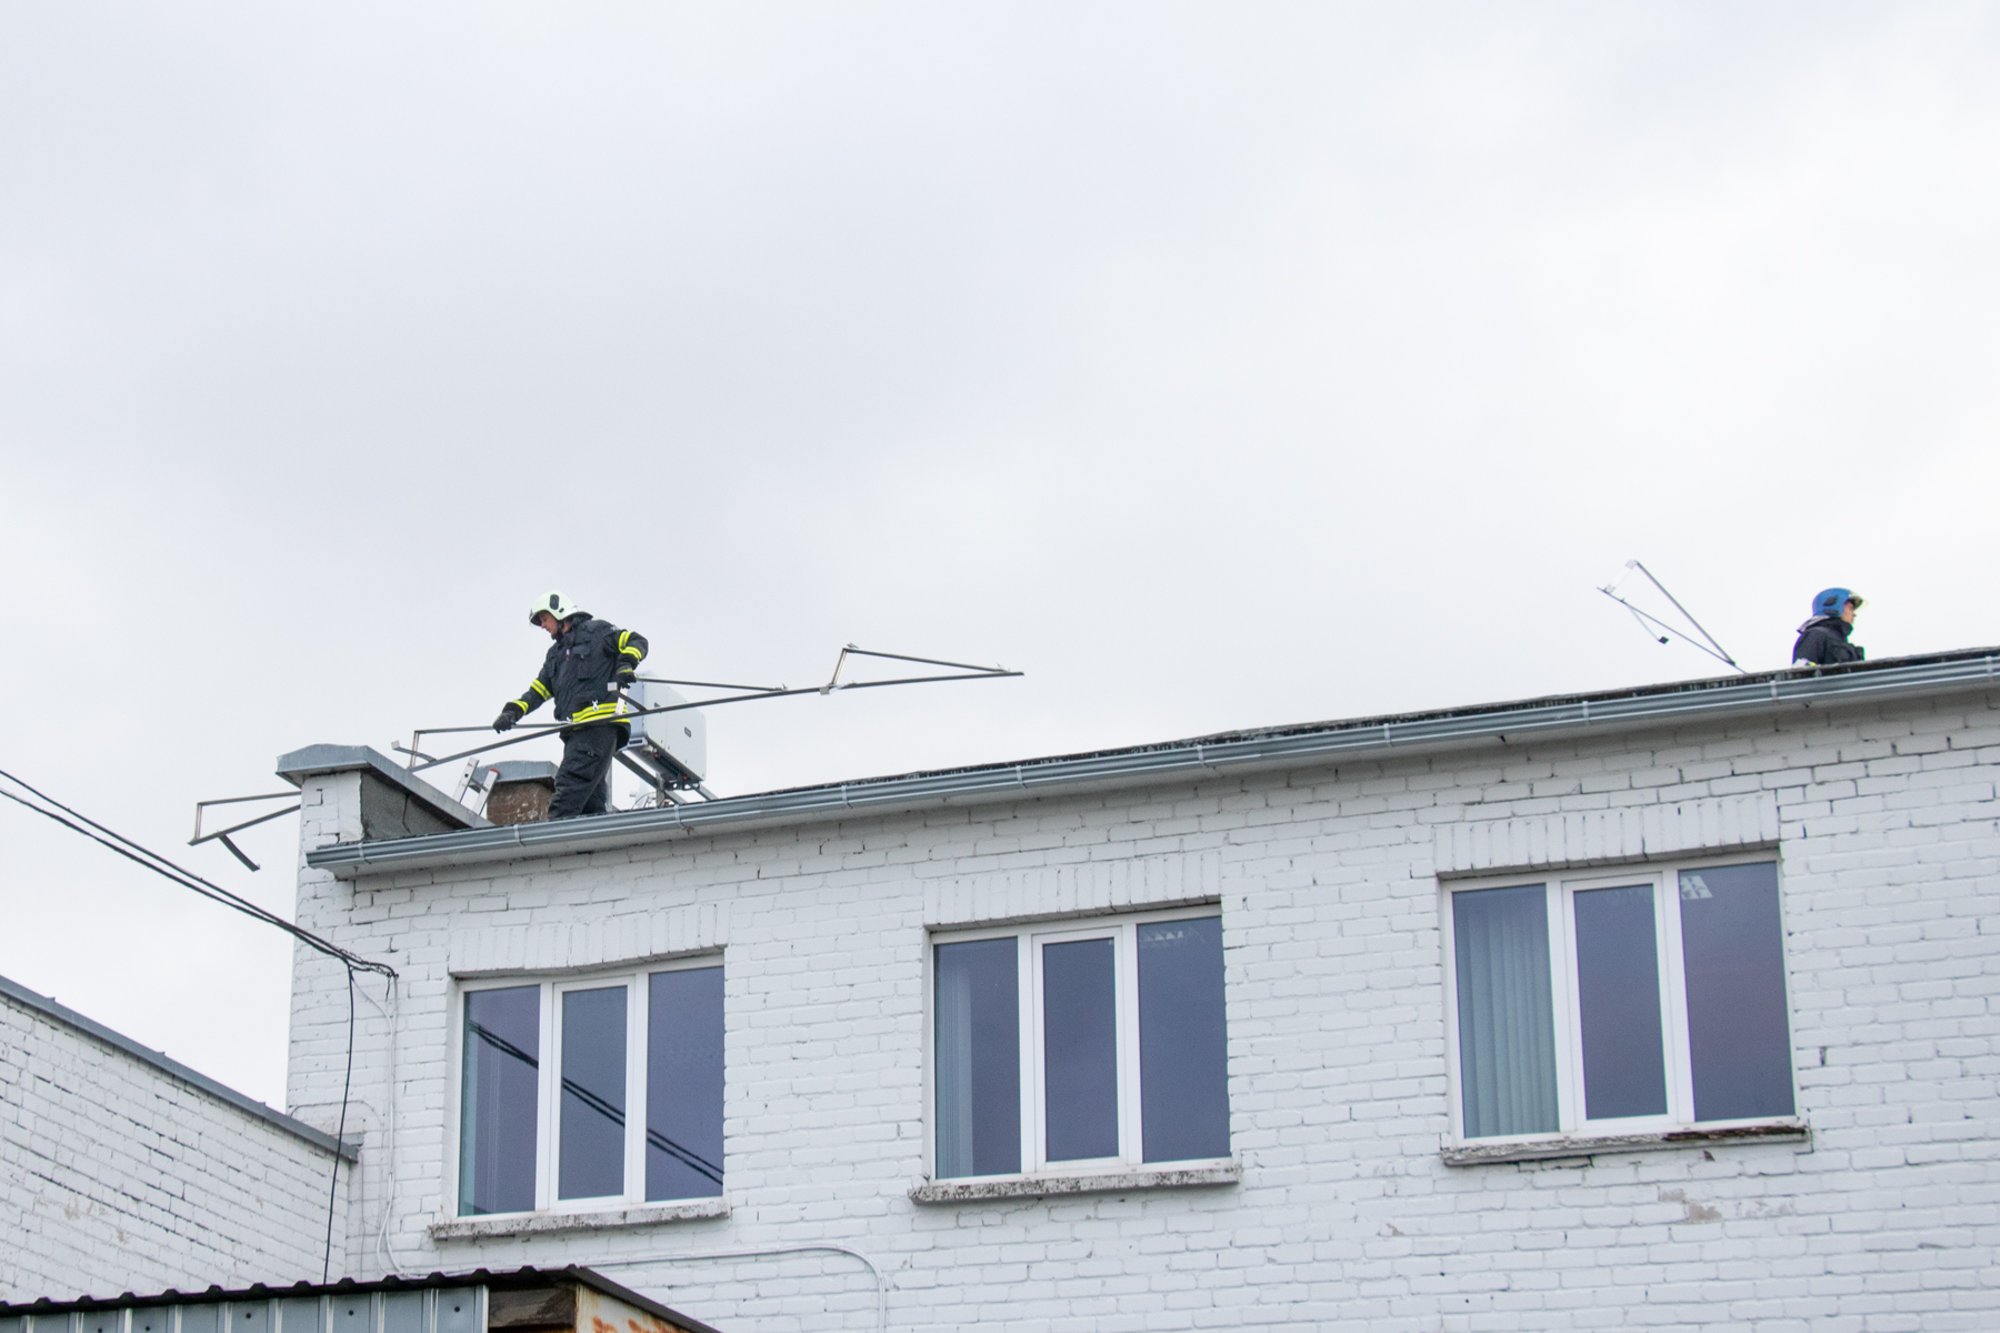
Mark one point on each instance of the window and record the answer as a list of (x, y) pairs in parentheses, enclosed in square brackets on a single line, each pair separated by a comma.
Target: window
[(585, 1093), (1079, 1048), (1619, 1002)]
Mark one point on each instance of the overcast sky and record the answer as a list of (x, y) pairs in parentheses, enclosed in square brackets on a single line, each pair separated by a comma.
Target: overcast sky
[(1216, 365)]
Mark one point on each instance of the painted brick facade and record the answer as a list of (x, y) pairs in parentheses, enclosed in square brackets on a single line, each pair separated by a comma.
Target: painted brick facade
[(1886, 1217), (120, 1176)]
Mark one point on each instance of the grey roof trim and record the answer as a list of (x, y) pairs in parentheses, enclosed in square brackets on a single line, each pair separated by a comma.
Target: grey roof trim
[(523, 770), (1686, 701), (314, 760), (349, 1150), (493, 1280)]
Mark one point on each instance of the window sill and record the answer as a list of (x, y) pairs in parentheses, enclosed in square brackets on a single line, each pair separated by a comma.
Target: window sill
[(1587, 1145), (540, 1224), (1109, 1182)]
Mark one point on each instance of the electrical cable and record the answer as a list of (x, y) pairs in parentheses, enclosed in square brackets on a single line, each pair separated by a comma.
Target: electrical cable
[(187, 879), (383, 1246), (340, 1135), (530, 730), (193, 883), (771, 1252), (656, 1139), (140, 855)]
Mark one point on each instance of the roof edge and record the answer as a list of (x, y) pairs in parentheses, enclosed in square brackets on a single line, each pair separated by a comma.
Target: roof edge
[(348, 1150), (492, 1279), (317, 760), (1273, 747)]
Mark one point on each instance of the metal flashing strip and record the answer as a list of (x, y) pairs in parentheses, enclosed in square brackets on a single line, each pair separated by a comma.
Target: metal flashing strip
[(314, 760), (436, 1303), (1430, 732), (349, 1150)]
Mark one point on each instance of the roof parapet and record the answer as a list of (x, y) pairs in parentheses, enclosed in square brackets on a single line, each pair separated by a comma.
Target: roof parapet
[(347, 1149), (395, 803), (1685, 701)]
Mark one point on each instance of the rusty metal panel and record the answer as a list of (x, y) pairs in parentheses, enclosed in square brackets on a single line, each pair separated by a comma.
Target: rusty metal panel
[(596, 1310)]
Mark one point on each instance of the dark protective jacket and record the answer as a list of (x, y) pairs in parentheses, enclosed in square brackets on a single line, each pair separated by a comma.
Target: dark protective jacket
[(579, 669), (1823, 642)]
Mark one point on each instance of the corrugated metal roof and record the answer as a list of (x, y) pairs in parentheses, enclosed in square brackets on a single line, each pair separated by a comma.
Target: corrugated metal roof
[(512, 1279)]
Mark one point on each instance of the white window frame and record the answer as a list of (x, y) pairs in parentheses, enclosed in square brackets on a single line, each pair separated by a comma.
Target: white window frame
[(1561, 888), (1030, 939), (548, 1093)]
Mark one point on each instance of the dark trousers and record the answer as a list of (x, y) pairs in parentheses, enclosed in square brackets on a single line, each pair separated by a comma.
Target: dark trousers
[(583, 783)]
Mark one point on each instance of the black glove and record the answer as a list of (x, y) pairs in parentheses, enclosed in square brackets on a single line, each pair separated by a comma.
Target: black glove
[(508, 717), (625, 677)]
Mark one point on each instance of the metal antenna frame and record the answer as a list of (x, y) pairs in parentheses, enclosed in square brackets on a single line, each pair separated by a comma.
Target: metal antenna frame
[(1655, 627), (534, 730), (222, 835)]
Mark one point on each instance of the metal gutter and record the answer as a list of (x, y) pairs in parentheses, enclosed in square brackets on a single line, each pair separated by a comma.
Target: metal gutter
[(348, 1150), (1427, 732)]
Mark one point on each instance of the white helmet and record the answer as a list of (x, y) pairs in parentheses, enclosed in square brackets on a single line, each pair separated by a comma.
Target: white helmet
[(552, 603)]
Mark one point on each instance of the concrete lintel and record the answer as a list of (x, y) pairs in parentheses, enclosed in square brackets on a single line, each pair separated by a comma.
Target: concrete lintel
[(542, 1224), (1583, 1147), (1105, 1182)]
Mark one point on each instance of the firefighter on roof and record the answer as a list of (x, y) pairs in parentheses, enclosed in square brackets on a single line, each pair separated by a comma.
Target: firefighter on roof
[(589, 662), (1823, 639)]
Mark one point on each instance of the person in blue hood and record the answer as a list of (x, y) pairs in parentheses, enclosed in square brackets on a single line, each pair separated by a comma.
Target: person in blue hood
[(1823, 640)]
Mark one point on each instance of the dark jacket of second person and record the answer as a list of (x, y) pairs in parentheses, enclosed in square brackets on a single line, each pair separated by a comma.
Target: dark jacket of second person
[(1823, 642)]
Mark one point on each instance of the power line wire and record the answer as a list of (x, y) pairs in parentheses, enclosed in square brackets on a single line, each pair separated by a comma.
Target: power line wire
[(141, 855), (340, 1135), (187, 879)]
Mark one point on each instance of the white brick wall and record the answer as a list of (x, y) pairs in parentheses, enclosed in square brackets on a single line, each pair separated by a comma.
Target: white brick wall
[(117, 1176), (1885, 820)]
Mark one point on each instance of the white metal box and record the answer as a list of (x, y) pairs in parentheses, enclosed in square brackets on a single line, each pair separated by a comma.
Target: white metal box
[(677, 742)]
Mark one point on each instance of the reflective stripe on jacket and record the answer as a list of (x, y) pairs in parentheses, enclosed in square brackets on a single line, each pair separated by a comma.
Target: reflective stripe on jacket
[(578, 672)]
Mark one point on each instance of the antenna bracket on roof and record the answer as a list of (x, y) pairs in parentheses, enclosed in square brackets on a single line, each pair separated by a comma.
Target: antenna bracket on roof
[(1660, 629)]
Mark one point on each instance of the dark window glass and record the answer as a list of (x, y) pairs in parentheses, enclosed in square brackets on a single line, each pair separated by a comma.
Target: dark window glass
[(591, 1159), (1618, 1003), (1738, 1035), (1506, 1023), (1080, 1049), (684, 1084), (1183, 1075), (978, 1064), (496, 1131)]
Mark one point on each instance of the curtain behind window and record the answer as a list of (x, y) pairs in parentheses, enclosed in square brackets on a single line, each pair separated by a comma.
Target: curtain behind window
[(1506, 1022), (978, 1059)]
